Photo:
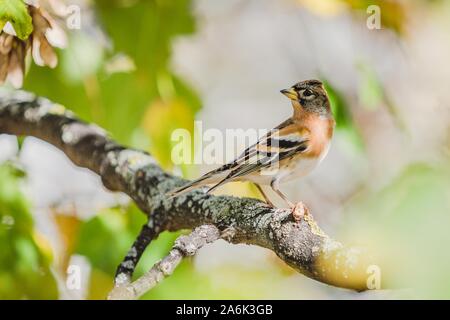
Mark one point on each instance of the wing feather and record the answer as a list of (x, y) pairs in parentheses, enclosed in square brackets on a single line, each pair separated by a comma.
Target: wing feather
[(268, 151), (280, 143)]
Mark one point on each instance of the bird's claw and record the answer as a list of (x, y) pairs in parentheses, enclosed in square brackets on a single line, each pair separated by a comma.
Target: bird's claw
[(299, 211)]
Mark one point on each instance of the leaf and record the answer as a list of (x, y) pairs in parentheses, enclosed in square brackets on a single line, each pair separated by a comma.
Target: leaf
[(100, 284), (20, 141), (240, 189), (25, 255), (68, 226), (160, 120), (371, 91), (324, 7), (16, 13), (78, 63), (104, 239), (393, 13)]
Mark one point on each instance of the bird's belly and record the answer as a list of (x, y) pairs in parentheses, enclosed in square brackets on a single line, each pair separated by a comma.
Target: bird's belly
[(264, 179), (296, 169), (299, 169), (303, 166)]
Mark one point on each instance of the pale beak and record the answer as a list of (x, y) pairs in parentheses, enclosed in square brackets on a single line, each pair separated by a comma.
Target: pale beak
[(290, 93)]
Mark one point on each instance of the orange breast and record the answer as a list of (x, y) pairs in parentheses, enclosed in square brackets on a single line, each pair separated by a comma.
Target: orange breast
[(320, 131)]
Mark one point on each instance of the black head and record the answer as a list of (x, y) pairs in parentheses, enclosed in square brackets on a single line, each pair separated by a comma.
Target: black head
[(309, 95)]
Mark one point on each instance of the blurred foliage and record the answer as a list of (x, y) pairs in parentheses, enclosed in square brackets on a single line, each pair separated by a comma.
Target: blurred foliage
[(68, 225), (342, 114), (95, 86), (372, 94), (16, 13), (370, 88), (406, 222), (393, 12), (160, 121), (225, 282), (106, 238), (25, 256)]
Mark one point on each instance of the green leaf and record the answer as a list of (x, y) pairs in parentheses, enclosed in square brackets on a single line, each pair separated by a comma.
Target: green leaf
[(105, 239), (371, 90), (15, 12), (24, 260)]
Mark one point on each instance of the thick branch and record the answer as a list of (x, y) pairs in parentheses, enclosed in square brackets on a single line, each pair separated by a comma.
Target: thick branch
[(302, 245)]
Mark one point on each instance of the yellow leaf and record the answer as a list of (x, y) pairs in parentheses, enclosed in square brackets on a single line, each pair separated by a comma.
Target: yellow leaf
[(100, 285), (240, 189), (43, 245), (160, 120), (68, 226), (324, 7)]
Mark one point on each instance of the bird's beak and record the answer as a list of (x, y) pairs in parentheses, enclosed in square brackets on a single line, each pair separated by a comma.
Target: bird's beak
[(290, 93)]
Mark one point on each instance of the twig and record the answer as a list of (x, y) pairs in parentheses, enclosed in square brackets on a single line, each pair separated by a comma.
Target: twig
[(126, 268), (184, 246)]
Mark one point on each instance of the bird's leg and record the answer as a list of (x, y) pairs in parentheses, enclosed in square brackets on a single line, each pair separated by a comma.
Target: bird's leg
[(299, 210), (266, 198)]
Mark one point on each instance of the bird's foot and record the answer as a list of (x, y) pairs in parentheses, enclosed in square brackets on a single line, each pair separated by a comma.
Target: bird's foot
[(299, 210)]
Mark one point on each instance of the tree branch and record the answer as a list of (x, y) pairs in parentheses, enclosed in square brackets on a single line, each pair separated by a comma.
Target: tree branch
[(184, 246), (126, 268), (302, 245)]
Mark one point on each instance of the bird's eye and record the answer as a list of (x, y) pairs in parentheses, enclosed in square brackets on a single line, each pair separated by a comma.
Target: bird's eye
[(307, 94)]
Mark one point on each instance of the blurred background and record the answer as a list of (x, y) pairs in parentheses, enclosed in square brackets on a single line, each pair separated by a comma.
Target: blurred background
[(142, 68)]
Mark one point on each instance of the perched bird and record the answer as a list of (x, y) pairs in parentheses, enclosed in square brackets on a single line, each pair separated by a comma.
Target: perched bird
[(289, 151)]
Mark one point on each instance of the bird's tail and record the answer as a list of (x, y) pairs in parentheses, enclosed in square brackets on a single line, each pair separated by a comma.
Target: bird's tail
[(208, 178)]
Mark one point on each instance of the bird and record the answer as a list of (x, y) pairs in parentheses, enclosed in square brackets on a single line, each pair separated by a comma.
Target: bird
[(289, 151)]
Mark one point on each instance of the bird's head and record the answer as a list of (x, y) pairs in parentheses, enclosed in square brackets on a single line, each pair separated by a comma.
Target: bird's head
[(309, 95)]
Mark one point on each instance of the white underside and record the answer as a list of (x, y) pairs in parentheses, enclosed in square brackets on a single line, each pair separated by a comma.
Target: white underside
[(298, 170)]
